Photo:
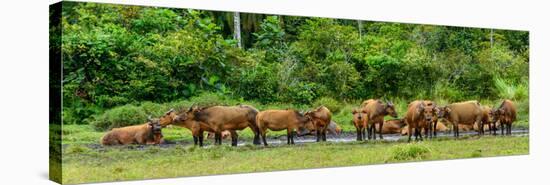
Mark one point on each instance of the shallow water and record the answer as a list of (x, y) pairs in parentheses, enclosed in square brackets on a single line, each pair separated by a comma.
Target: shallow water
[(281, 140)]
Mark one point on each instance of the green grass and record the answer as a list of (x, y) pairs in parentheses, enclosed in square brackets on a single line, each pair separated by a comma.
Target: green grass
[(121, 163)]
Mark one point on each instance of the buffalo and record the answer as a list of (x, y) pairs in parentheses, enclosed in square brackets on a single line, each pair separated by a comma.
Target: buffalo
[(393, 126), (468, 113), (291, 120), (181, 119), (416, 118), (358, 122), (431, 110), (486, 121), (375, 111), (334, 128), (321, 119), (147, 133), (505, 114), (216, 119)]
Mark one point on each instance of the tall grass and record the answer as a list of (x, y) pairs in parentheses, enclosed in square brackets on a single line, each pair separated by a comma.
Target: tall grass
[(508, 90)]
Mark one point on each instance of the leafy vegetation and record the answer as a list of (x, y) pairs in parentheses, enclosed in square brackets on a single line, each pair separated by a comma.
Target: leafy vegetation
[(117, 55)]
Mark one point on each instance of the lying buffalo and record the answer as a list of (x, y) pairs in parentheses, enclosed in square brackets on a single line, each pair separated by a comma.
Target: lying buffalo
[(462, 126), (506, 115), (375, 111), (225, 135), (393, 126), (358, 122), (147, 133), (334, 128), (321, 119), (219, 118), (417, 118), (439, 127), (468, 113), (291, 120)]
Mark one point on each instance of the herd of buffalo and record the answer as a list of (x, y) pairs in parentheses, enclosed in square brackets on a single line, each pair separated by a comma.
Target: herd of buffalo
[(422, 116)]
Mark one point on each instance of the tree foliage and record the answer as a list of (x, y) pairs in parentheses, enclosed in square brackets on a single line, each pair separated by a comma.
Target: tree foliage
[(115, 55)]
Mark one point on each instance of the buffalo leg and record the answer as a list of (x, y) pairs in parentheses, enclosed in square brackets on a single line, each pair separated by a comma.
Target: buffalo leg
[(196, 140), (430, 133), (201, 139), (434, 129), (457, 131), (374, 131), (234, 138), (359, 137), (363, 133), (263, 138), (501, 128), (292, 137), (380, 125), (480, 128), (325, 135), (369, 132), (318, 134), (410, 133), (427, 131), (256, 140), (288, 135), (420, 134), (509, 128), (218, 138)]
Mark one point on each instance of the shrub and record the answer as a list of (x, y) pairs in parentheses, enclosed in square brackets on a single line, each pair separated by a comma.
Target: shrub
[(409, 151), (507, 90), (76, 149), (119, 117), (333, 105)]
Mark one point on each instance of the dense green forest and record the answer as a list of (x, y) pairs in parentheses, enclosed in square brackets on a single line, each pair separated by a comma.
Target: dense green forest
[(117, 55)]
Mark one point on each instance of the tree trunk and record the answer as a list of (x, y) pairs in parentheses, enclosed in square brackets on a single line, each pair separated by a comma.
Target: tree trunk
[(237, 29), (360, 28)]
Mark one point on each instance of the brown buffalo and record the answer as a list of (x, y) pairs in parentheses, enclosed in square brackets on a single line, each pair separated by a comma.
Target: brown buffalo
[(182, 119), (393, 126), (219, 118), (147, 133), (358, 122), (169, 118), (276, 120), (417, 118), (332, 129), (486, 121), (468, 113), (321, 119), (505, 114), (375, 110), (367, 102), (431, 110)]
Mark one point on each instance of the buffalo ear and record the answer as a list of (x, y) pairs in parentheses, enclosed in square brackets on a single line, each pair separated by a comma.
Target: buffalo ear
[(149, 119)]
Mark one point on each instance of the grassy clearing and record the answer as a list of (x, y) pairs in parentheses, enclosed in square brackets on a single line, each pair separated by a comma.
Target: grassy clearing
[(81, 164)]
